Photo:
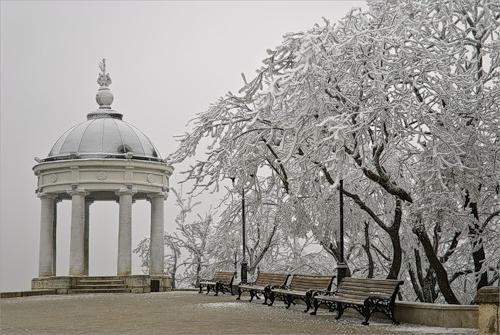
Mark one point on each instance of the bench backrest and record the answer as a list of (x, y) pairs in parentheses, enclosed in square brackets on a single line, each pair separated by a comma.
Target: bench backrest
[(311, 282), (362, 288), (224, 277), (268, 278)]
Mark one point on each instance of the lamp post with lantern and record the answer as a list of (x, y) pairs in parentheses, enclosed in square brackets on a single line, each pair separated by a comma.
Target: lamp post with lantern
[(341, 265), (244, 263)]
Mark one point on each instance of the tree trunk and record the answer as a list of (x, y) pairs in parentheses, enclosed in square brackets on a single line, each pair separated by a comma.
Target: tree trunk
[(366, 247), (256, 260), (172, 278), (429, 285), (396, 254), (174, 270), (478, 254), (441, 274), (415, 284), (198, 271), (397, 251)]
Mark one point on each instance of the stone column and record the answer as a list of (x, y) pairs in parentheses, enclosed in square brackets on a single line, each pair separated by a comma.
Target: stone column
[(54, 240), (77, 243), (86, 238), (46, 251), (124, 267), (156, 247)]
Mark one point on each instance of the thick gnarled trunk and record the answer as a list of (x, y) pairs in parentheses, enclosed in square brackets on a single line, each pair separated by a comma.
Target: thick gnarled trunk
[(478, 254), (397, 254), (366, 247), (439, 270)]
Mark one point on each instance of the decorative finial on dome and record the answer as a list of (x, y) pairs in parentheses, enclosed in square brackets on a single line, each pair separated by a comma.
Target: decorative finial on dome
[(104, 96), (104, 80)]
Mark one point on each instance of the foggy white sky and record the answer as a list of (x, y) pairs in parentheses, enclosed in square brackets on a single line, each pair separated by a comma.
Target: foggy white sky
[(167, 60)]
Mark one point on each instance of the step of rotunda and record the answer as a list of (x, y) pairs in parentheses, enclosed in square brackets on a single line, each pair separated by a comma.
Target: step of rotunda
[(100, 285), (100, 282), (99, 278), (109, 290)]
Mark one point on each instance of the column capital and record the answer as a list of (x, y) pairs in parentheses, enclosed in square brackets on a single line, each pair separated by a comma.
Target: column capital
[(125, 190), (152, 196), (44, 195), (77, 191)]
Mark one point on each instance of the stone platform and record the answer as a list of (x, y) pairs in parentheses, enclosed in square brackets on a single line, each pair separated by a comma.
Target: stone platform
[(101, 284), (184, 313)]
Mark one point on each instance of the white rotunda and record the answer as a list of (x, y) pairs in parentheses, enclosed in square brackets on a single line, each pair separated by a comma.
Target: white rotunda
[(101, 159)]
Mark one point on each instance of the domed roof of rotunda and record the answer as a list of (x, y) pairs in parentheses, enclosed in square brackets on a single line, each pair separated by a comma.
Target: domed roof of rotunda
[(104, 134)]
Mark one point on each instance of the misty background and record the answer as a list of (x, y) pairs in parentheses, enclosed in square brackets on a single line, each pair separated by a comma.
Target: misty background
[(168, 61)]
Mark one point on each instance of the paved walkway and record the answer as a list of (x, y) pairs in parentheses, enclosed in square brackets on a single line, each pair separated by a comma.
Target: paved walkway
[(179, 313)]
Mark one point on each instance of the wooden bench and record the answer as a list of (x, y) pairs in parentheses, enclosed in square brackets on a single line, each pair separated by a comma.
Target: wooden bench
[(367, 296), (302, 287), (220, 282), (263, 284)]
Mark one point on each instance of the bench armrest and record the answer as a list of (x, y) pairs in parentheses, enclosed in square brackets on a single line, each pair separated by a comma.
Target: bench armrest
[(283, 287), (323, 292), (312, 292), (206, 279), (220, 282), (378, 296), (249, 284)]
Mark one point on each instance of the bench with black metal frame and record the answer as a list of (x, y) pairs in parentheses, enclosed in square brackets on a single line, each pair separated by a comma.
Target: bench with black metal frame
[(263, 284), (367, 296), (222, 281), (302, 287)]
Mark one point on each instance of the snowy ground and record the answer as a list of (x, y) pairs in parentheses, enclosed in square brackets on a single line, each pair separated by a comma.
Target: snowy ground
[(179, 313)]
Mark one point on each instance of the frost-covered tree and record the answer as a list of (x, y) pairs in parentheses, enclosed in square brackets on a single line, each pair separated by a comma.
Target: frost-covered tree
[(402, 103)]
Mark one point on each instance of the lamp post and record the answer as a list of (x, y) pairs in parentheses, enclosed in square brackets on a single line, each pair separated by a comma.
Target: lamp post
[(341, 265), (244, 264)]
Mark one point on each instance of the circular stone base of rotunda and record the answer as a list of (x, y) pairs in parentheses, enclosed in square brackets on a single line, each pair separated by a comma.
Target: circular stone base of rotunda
[(102, 284)]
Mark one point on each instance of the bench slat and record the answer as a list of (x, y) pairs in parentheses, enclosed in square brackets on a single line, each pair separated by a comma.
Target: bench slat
[(378, 286), (375, 282), (348, 300), (306, 282), (266, 278), (252, 287), (355, 295), (223, 276), (371, 280), (366, 290)]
